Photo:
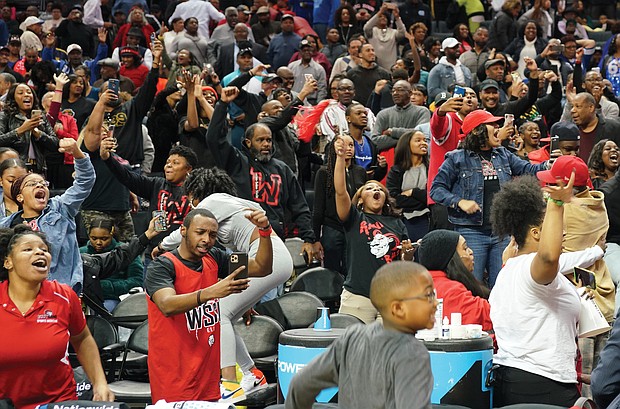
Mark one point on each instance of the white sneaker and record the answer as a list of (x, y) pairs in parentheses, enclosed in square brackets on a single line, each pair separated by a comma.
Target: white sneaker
[(253, 381)]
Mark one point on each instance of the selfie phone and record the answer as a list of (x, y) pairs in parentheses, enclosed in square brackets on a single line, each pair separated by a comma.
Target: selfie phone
[(208, 67), (459, 91), (309, 77), (515, 76), (114, 85), (557, 48), (509, 120), (587, 278), (35, 112), (161, 224), (236, 260), (555, 143), (153, 38)]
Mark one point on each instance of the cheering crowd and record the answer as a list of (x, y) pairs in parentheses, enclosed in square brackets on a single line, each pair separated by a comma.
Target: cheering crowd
[(373, 131)]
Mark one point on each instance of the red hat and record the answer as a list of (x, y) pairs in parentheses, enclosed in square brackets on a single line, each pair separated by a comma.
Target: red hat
[(211, 89), (128, 50), (562, 169), (478, 117)]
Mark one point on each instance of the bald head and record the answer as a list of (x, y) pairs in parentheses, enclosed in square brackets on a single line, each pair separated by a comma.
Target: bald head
[(393, 281), (273, 107)]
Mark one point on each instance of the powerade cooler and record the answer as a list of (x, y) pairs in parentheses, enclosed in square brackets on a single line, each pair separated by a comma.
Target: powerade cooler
[(460, 370), (297, 347)]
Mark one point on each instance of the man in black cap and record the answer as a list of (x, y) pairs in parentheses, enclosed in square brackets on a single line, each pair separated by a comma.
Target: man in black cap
[(488, 93), (495, 70), (306, 66), (5, 52), (283, 45), (226, 54), (15, 46), (74, 31), (109, 68)]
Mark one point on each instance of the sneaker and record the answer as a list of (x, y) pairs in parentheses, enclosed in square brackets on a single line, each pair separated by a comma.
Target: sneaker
[(231, 392), (253, 380)]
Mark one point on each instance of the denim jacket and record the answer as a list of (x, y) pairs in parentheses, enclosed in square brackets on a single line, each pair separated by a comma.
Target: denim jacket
[(460, 177), (58, 223), (442, 76)]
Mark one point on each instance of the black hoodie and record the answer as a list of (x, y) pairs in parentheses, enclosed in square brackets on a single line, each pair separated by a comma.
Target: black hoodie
[(273, 184)]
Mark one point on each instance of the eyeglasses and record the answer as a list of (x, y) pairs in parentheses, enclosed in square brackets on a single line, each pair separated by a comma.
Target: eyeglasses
[(430, 297), (35, 183)]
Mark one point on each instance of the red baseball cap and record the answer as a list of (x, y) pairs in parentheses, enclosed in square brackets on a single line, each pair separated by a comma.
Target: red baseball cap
[(477, 117), (562, 169)]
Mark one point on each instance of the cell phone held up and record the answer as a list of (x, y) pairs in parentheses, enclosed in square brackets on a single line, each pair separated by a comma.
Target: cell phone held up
[(236, 260), (459, 92), (586, 277), (114, 85), (555, 143), (161, 223)]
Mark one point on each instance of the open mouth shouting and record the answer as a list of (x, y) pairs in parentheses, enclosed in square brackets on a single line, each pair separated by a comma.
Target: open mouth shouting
[(41, 265)]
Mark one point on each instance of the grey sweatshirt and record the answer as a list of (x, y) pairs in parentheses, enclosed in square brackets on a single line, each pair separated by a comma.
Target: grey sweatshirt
[(373, 367)]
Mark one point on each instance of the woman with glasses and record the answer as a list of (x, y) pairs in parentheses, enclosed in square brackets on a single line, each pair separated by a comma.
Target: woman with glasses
[(451, 263), (56, 216)]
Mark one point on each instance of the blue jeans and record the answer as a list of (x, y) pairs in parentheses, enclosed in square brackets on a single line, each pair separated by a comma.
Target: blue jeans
[(417, 227), (487, 249), (612, 259)]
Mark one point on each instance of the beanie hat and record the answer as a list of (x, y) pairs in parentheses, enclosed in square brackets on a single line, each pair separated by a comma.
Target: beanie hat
[(437, 249)]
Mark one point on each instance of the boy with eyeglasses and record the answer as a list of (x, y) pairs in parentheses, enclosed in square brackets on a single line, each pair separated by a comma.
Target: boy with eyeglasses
[(403, 293)]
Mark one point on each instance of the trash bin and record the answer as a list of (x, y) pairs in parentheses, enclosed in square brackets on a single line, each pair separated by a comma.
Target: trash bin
[(460, 370), (296, 348)]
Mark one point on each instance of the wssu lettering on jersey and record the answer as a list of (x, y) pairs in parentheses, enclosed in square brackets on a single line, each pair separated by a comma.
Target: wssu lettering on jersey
[(203, 316)]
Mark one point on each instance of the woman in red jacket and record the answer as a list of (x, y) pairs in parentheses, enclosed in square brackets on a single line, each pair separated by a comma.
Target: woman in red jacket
[(451, 263)]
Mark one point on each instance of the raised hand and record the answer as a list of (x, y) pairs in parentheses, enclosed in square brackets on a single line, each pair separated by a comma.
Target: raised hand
[(229, 94), (258, 218), (102, 34)]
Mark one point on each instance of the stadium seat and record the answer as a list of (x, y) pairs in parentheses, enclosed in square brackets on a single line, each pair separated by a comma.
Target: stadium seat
[(343, 320), (131, 312), (299, 308), (322, 282), (128, 390)]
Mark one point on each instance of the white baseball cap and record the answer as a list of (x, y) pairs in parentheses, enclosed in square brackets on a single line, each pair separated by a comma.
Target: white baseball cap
[(73, 47), (449, 43)]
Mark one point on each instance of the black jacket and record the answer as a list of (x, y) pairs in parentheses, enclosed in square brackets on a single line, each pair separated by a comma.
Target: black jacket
[(162, 195), (417, 200), (225, 63), (100, 266), (273, 184), (127, 120), (324, 211), (163, 125), (519, 106)]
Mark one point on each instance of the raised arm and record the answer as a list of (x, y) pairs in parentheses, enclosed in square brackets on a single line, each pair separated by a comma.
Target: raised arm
[(92, 131), (261, 265), (343, 200), (216, 133), (545, 265)]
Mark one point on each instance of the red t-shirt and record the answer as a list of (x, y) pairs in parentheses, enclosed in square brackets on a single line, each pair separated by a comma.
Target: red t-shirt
[(34, 363), (184, 349), (445, 132), (137, 75)]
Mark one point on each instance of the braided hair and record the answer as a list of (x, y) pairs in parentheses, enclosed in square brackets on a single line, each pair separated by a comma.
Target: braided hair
[(201, 183)]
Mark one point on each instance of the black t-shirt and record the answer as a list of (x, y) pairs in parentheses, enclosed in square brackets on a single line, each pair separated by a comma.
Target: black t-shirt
[(160, 272), (80, 109), (372, 241), (107, 194), (33, 222), (491, 186)]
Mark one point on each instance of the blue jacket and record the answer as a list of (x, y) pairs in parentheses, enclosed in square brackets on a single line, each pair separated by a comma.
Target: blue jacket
[(102, 51), (442, 76), (460, 177), (58, 223)]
